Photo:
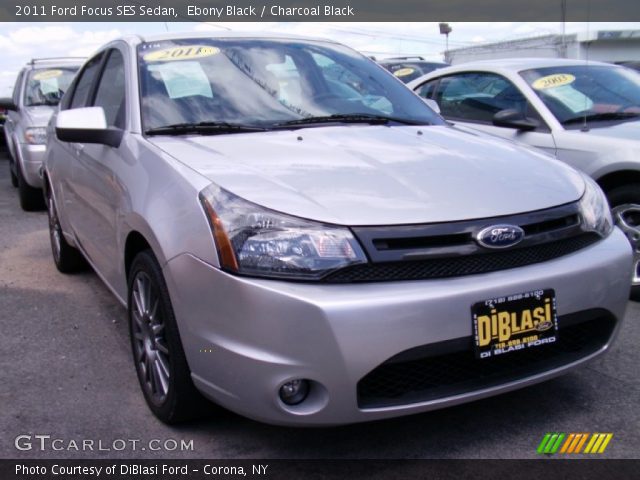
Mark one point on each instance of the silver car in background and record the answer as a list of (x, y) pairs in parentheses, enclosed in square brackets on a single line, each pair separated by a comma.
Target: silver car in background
[(299, 238), (586, 114), (37, 91)]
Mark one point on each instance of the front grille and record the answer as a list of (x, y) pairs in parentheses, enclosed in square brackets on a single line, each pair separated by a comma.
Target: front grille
[(461, 265), (451, 368)]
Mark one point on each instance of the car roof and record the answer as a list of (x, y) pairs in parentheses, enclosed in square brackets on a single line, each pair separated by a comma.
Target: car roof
[(411, 60), (54, 62), (505, 66), (517, 64), (155, 37)]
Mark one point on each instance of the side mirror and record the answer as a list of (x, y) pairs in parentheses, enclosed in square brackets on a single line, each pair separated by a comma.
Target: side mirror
[(433, 105), (86, 125), (7, 104), (514, 119)]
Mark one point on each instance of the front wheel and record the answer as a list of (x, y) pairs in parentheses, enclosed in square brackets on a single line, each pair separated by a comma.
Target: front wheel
[(625, 207), (159, 358)]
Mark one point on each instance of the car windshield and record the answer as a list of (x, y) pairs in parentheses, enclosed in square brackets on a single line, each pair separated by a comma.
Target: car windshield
[(408, 71), (592, 92), (45, 86), (267, 84)]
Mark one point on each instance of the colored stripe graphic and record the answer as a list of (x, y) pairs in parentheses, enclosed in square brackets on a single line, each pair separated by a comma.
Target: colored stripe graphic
[(543, 443), (606, 441), (568, 442), (583, 439), (598, 442), (592, 440), (555, 447), (572, 443), (550, 443)]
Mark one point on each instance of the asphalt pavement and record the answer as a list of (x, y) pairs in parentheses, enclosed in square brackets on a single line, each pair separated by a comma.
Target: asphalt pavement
[(67, 373)]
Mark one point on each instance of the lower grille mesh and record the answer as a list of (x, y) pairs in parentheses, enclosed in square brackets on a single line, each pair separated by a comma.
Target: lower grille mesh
[(422, 379)]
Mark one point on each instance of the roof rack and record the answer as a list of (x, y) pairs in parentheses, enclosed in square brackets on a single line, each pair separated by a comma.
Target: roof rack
[(415, 57), (53, 59)]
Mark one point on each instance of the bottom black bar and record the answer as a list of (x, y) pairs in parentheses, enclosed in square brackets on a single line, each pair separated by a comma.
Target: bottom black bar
[(546, 468)]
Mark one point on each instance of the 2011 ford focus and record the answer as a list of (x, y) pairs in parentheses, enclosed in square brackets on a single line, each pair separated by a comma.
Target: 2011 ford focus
[(301, 239)]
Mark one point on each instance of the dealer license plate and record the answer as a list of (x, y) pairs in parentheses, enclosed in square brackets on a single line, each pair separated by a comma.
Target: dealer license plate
[(514, 323)]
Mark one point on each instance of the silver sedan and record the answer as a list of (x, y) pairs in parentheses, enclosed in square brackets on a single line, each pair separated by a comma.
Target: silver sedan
[(299, 238)]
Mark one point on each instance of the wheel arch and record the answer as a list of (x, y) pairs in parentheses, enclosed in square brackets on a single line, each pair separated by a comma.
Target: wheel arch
[(134, 244), (618, 178)]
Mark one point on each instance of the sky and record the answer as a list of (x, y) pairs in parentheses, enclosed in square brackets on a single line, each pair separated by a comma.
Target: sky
[(20, 42)]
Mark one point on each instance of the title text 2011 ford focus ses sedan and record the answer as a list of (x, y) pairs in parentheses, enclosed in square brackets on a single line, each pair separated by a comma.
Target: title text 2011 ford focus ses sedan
[(301, 239)]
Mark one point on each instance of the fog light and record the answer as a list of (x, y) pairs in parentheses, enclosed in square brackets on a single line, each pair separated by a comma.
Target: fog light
[(294, 392)]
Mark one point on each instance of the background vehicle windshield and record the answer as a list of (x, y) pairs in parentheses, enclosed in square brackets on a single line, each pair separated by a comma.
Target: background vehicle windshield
[(45, 86), (408, 71), (265, 82), (572, 92)]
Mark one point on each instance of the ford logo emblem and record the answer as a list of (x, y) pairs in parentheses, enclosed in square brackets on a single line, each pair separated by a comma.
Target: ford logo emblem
[(542, 326), (500, 236)]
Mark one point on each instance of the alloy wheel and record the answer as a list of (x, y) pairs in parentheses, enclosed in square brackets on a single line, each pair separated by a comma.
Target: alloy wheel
[(150, 346), (627, 218)]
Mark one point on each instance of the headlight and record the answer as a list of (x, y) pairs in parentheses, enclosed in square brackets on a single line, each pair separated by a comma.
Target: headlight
[(254, 240), (36, 135), (595, 210)]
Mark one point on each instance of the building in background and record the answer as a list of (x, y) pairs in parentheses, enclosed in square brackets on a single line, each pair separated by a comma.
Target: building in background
[(604, 45)]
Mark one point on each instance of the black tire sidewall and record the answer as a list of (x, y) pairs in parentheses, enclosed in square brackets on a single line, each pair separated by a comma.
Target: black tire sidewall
[(70, 259), (181, 394), (31, 199), (624, 194), (14, 179)]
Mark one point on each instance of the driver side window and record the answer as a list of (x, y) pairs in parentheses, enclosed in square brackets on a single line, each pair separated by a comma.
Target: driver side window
[(110, 94), (476, 97), (85, 80)]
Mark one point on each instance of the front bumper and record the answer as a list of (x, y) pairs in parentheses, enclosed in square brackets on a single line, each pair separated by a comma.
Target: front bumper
[(245, 337), (31, 158)]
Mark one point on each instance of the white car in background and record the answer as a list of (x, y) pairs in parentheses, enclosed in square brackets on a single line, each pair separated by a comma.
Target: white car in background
[(587, 114)]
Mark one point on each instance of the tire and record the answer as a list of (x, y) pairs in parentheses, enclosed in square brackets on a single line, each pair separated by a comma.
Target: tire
[(12, 163), (623, 200), (159, 359), (14, 179), (66, 258), (31, 199)]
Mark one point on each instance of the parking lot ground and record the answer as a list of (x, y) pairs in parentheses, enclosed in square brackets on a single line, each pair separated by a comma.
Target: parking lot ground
[(67, 372)]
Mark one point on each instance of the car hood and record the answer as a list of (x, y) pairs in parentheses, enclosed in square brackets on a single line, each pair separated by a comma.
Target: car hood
[(379, 175), (629, 130), (38, 116)]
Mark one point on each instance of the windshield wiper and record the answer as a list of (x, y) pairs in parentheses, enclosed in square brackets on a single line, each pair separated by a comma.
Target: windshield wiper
[(203, 128), (348, 118), (601, 116), (42, 104)]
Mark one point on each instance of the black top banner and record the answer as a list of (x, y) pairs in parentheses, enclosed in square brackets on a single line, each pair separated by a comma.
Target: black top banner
[(318, 10)]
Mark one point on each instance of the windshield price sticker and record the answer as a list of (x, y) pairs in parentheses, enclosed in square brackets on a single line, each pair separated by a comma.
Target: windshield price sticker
[(184, 52), (403, 72), (553, 81), (47, 74), (516, 322)]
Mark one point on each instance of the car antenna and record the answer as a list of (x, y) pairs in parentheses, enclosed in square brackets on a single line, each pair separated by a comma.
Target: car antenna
[(585, 127)]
